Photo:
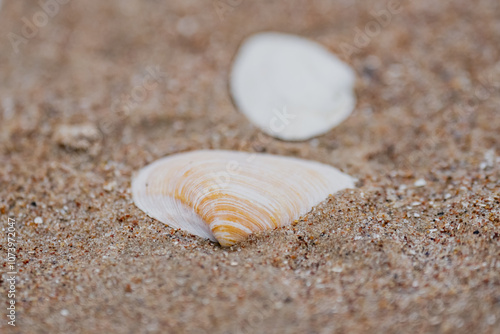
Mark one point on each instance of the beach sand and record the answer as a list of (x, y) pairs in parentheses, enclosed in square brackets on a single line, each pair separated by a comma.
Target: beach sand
[(102, 88)]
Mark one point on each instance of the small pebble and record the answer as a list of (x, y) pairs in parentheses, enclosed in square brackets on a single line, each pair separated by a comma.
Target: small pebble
[(420, 183), (77, 137), (38, 220), (64, 312), (109, 186)]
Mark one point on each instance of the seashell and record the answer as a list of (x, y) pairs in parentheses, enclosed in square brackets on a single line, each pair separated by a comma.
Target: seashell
[(290, 87), (226, 195), (79, 137)]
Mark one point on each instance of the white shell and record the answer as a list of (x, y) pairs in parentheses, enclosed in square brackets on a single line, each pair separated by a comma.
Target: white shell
[(226, 195), (290, 87)]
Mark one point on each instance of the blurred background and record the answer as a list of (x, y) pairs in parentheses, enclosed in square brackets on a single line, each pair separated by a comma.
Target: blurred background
[(161, 69), (91, 91)]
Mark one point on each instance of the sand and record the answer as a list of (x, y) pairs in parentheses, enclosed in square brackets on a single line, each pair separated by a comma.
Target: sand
[(105, 87)]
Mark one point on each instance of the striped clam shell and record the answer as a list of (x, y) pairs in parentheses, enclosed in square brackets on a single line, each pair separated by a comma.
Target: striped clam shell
[(226, 195)]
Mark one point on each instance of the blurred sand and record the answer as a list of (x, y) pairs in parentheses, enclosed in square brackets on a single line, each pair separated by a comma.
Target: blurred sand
[(105, 87)]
